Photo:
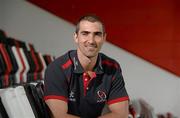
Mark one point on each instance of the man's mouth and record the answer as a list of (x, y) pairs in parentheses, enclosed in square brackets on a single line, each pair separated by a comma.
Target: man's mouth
[(91, 46)]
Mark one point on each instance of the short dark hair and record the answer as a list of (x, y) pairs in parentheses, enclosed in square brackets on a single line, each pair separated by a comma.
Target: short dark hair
[(91, 18)]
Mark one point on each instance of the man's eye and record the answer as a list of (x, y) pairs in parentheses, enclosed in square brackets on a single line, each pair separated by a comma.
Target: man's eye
[(98, 34), (84, 33)]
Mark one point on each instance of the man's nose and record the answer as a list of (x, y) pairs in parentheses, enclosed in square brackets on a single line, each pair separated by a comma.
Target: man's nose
[(91, 38)]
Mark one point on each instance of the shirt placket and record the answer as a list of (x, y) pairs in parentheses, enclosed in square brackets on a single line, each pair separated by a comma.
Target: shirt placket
[(86, 79)]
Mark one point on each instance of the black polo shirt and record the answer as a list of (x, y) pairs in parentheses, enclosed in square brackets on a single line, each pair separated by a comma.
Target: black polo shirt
[(86, 96)]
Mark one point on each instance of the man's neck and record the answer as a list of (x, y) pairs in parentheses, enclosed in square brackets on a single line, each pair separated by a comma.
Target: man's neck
[(86, 62)]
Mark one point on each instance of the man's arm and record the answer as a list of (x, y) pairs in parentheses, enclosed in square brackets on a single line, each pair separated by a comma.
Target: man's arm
[(59, 109), (117, 110)]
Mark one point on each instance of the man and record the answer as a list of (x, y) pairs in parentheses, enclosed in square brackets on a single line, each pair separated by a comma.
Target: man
[(79, 83)]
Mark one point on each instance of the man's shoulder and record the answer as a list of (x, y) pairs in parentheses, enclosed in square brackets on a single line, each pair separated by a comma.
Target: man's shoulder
[(62, 60), (108, 61), (105, 57)]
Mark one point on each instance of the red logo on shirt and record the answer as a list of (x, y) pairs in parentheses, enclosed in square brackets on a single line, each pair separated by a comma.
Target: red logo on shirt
[(101, 96)]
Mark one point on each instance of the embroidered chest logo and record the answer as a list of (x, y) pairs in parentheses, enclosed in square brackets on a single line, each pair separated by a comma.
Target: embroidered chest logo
[(101, 96), (72, 97)]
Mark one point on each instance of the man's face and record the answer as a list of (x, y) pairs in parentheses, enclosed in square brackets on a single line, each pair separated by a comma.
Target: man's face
[(89, 38)]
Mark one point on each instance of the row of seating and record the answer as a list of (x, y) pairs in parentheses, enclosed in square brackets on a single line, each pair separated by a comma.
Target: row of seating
[(22, 71), (23, 101), (20, 62)]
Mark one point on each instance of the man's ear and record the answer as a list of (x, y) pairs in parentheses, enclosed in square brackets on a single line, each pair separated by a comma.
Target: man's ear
[(75, 37), (105, 36)]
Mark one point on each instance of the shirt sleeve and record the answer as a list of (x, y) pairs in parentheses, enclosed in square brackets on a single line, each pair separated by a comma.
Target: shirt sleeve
[(55, 83), (118, 91)]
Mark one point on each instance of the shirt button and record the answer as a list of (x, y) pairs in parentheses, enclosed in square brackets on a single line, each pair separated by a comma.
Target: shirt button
[(86, 79)]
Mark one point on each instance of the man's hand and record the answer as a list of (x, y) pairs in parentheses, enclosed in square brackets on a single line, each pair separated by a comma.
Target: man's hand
[(59, 108), (117, 110)]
